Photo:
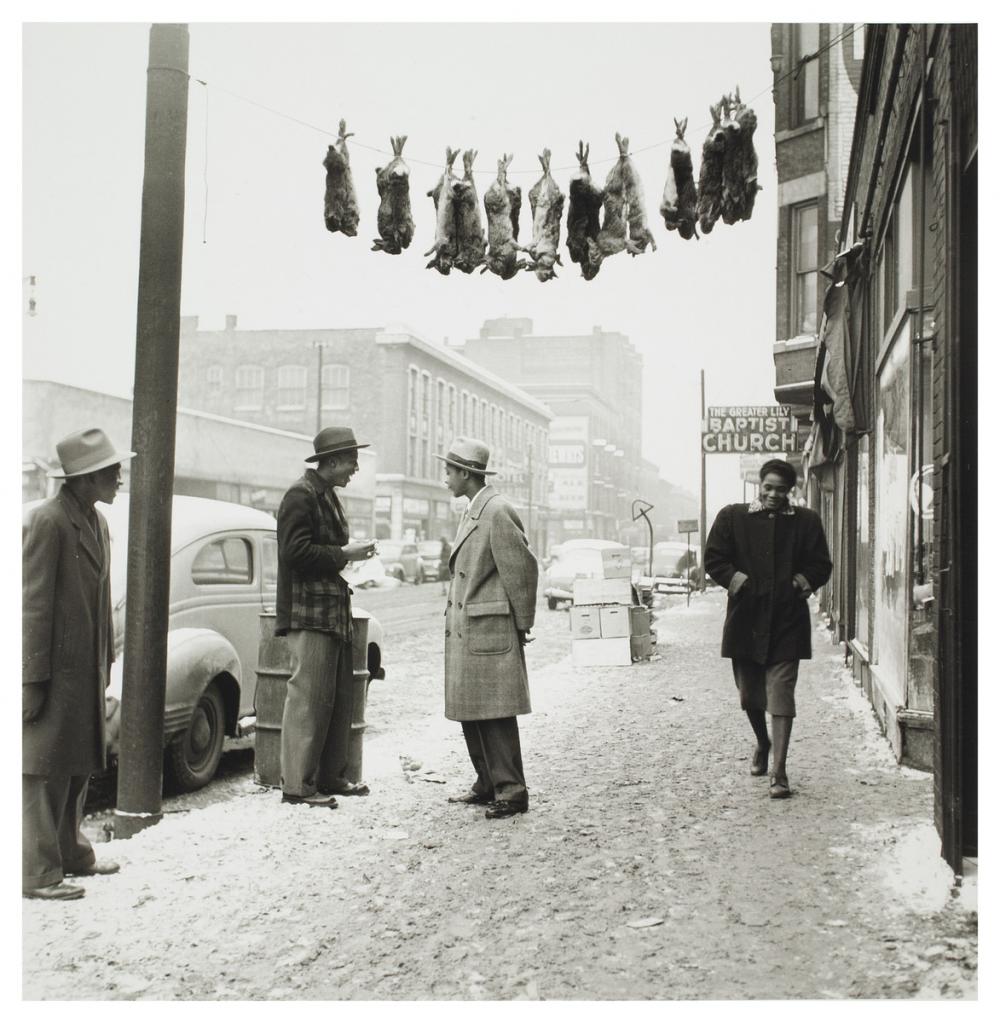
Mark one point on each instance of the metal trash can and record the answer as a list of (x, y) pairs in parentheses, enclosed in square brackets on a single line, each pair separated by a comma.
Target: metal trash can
[(274, 666)]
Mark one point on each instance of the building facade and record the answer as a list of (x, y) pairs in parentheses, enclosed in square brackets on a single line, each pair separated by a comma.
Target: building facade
[(215, 457), (593, 385), (893, 444), (817, 68), (404, 395)]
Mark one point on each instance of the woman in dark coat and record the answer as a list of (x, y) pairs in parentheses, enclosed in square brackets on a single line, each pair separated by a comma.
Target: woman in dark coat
[(770, 555)]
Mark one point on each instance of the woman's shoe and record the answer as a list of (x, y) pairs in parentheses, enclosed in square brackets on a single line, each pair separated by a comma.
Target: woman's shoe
[(779, 788), (758, 762)]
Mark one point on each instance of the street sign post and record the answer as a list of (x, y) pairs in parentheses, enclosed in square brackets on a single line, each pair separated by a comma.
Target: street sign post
[(687, 527)]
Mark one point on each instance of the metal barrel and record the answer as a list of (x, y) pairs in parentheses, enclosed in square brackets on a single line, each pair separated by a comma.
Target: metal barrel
[(274, 666)]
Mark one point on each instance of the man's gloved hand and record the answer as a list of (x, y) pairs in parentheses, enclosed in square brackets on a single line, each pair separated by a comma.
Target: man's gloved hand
[(33, 696), (801, 583)]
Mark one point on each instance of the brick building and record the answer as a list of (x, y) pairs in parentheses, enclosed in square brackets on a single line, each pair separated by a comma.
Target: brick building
[(893, 445), (593, 385), (817, 68), (405, 396)]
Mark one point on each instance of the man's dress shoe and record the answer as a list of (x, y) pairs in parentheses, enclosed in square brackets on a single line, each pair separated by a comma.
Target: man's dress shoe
[(471, 799), (54, 891), (104, 867), (503, 808), (316, 799)]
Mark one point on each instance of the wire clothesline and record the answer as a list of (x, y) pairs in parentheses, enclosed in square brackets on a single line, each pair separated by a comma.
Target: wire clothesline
[(847, 33)]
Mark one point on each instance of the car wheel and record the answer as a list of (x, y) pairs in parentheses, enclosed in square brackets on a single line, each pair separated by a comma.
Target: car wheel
[(193, 756), (553, 603)]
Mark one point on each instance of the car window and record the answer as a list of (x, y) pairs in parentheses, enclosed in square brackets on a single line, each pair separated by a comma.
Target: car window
[(269, 562), (223, 562)]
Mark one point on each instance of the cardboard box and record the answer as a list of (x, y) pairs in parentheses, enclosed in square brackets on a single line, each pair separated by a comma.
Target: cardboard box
[(585, 621), (616, 563), (602, 591), (639, 618), (602, 652), (614, 620), (641, 647)]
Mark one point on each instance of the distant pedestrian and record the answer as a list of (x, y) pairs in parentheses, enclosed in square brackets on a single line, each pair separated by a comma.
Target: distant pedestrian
[(490, 611), (313, 609), (444, 572), (68, 647), (770, 555)]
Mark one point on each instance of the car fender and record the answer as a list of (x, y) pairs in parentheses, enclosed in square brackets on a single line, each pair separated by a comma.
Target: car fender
[(195, 657), (374, 640)]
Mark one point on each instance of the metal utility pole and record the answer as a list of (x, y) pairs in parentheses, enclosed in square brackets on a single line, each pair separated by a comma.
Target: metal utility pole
[(154, 420), (319, 387), (701, 518), (529, 494)]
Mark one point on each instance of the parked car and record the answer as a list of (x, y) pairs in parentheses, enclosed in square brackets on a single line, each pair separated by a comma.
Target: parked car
[(671, 561), (402, 560), (430, 554), (573, 559), (223, 574)]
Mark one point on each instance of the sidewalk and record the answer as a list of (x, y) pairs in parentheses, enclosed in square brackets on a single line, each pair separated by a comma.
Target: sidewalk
[(650, 866)]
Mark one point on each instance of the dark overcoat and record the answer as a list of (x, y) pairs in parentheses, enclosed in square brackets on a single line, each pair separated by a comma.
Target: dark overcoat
[(768, 619), (67, 636), (492, 595)]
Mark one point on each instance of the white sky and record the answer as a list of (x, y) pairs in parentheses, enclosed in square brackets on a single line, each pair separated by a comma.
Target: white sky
[(255, 241)]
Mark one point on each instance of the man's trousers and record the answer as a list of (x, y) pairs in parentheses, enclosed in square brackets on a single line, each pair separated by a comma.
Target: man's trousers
[(316, 723), (52, 843), (495, 750)]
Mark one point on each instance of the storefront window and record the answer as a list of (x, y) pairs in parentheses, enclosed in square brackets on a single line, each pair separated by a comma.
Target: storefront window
[(892, 503)]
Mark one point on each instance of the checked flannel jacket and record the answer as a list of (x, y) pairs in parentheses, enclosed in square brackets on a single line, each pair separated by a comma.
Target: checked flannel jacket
[(312, 531)]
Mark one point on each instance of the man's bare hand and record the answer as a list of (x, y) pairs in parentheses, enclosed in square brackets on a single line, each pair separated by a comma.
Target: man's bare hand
[(359, 550)]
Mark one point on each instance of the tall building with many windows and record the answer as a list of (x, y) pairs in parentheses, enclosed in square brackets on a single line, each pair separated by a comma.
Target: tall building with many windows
[(593, 385), (404, 395)]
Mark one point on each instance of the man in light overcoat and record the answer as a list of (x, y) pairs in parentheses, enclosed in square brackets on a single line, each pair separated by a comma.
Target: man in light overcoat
[(68, 645), (489, 613)]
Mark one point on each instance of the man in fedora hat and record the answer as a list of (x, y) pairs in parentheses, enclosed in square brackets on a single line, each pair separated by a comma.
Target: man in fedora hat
[(314, 611), (68, 645), (490, 610)]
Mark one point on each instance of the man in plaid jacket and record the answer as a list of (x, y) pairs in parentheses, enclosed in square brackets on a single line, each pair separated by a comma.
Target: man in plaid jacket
[(314, 611)]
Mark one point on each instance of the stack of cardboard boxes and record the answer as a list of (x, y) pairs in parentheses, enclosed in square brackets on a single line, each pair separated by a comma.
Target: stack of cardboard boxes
[(607, 628)]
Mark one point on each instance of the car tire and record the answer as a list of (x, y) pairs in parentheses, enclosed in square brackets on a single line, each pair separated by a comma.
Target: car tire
[(193, 756), (553, 603)]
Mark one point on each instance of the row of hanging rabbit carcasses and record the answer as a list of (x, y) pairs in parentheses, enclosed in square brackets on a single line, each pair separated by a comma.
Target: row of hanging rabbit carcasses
[(600, 221)]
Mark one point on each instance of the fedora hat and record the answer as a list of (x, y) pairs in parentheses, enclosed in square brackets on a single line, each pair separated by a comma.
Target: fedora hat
[(466, 453), (332, 440), (87, 451)]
